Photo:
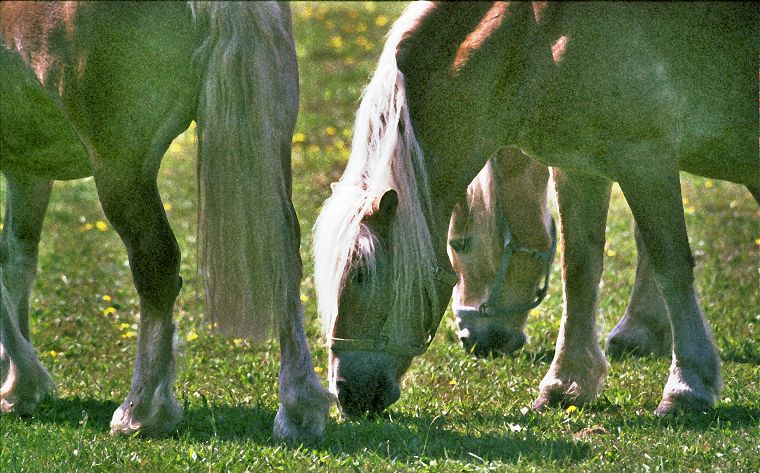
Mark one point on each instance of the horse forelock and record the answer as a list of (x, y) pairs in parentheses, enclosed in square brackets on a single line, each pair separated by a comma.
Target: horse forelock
[(385, 155)]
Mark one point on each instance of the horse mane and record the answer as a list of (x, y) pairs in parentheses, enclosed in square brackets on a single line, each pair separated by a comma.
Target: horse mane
[(385, 155)]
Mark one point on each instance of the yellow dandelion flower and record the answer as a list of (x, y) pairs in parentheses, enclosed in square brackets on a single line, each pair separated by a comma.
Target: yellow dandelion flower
[(106, 298), (685, 201), (111, 311), (52, 353), (299, 138), (191, 336), (318, 369), (381, 20), (534, 312), (690, 210), (757, 241), (167, 206), (123, 326), (571, 409), (304, 298), (611, 253), (238, 342), (130, 334), (1, 227), (330, 130), (361, 27), (340, 144), (101, 226), (336, 42), (709, 184), (453, 382), (87, 227)]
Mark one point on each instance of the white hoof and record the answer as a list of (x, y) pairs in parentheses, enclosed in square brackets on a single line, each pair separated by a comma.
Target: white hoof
[(154, 417), (689, 390), (24, 390)]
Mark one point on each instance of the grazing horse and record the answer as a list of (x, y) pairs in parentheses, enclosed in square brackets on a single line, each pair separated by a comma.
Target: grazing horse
[(602, 92), (500, 245), (102, 89)]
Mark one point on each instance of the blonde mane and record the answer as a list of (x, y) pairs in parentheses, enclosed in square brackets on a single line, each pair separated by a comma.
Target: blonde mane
[(385, 155)]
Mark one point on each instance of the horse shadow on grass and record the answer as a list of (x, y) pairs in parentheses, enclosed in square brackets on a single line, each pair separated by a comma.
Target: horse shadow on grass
[(402, 437)]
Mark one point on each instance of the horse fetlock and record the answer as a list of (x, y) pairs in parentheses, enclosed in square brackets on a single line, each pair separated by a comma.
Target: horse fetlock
[(25, 388), (303, 413), (153, 415), (690, 389), (572, 380)]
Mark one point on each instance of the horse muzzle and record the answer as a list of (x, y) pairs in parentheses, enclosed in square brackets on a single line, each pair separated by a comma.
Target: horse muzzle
[(487, 337)]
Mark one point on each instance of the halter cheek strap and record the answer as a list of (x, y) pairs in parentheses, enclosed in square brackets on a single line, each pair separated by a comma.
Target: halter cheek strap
[(490, 309)]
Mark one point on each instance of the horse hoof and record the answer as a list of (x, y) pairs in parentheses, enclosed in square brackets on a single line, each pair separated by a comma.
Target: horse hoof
[(303, 422), (159, 420), (22, 397), (681, 403)]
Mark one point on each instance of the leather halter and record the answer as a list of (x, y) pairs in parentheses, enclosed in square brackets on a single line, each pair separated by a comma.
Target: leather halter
[(490, 309), (383, 345)]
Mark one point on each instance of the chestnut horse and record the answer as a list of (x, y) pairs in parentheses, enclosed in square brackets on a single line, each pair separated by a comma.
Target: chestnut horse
[(501, 240), (601, 92), (102, 89)]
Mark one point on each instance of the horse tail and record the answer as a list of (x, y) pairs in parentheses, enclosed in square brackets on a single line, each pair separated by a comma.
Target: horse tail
[(248, 233)]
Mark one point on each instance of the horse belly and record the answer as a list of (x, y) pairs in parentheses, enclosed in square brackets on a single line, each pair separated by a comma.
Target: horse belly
[(36, 137)]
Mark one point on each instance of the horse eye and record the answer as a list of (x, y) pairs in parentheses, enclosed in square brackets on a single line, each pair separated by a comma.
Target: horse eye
[(460, 245)]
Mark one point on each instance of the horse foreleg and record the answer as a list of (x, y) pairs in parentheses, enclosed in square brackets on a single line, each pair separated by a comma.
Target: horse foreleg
[(645, 326), (25, 382), (579, 365), (133, 206), (655, 200)]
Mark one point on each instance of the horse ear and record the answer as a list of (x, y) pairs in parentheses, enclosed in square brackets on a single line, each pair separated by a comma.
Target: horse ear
[(383, 210)]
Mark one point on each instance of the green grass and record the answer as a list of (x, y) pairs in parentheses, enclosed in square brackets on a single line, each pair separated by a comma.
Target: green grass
[(455, 414)]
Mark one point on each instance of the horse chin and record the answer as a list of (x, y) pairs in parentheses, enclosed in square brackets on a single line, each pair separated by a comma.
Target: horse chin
[(486, 338), (366, 383)]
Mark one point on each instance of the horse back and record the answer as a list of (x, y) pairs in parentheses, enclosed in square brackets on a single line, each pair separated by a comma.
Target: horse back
[(683, 76)]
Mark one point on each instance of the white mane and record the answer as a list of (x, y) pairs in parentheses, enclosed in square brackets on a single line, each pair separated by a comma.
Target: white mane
[(385, 155)]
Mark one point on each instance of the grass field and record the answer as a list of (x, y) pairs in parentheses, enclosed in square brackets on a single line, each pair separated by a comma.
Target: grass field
[(455, 413)]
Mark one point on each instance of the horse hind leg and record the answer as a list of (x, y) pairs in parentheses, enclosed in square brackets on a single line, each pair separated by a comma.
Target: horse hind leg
[(151, 406), (645, 327), (25, 382)]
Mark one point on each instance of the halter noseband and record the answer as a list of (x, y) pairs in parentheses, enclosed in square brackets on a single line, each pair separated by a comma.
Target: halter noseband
[(383, 345), (490, 309)]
